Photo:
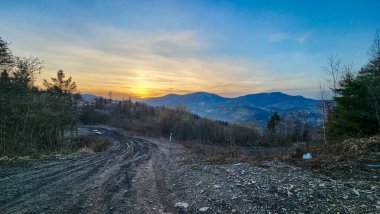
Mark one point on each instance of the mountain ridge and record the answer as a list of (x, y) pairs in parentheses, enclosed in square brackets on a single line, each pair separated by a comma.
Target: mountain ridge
[(250, 108)]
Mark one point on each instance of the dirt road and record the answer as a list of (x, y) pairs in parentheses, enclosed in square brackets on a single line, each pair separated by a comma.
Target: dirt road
[(118, 180), (142, 175)]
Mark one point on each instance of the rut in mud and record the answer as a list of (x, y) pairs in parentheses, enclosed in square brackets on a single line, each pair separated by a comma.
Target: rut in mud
[(107, 182), (143, 175)]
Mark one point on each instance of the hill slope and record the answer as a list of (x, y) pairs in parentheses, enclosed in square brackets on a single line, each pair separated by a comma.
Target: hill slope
[(252, 108)]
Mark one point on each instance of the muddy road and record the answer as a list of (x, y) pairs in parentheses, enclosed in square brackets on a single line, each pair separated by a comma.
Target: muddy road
[(122, 179), (144, 175)]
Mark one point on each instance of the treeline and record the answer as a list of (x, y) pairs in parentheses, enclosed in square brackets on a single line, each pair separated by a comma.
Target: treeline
[(141, 119), (33, 120), (354, 110)]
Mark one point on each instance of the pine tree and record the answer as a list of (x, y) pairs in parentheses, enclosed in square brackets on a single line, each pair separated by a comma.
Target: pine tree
[(273, 121), (356, 111)]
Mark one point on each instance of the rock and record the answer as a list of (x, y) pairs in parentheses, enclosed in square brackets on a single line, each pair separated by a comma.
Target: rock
[(356, 192), (217, 186), (204, 209), (322, 185), (233, 211), (182, 205)]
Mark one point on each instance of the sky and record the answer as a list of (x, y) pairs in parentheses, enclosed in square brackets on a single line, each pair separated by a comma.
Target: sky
[(143, 49)]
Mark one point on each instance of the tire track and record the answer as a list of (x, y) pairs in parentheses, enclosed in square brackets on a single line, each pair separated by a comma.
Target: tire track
[(100, 182)]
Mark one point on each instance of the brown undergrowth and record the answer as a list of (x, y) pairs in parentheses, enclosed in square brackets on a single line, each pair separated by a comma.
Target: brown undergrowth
[(231, 154), (350, 159), (93, 144)]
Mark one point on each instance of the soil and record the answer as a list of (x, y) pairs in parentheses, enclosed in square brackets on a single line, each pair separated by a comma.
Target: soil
[(149, 175)]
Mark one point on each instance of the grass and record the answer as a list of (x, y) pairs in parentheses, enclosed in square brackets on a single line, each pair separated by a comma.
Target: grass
[(231, 154), (88, 144)]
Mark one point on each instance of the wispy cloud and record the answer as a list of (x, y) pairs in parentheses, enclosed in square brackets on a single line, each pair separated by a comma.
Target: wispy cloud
[(278, 37), (286, 36), (142, 64), (303, 37)]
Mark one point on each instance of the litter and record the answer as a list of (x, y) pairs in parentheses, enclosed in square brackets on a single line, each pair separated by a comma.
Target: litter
[(307, 156)]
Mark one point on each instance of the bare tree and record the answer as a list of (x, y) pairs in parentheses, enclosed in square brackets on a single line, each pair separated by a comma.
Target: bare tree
[(374, 50), (333, 72), (326, 106), (373, 87)]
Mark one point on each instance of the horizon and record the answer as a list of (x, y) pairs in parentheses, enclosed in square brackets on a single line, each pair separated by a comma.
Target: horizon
[(231, 97), (222, 47)]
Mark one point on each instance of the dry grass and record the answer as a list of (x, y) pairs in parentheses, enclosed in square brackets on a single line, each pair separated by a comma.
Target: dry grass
[(85, 150), (233, 154), (93, 144), (347, 159)]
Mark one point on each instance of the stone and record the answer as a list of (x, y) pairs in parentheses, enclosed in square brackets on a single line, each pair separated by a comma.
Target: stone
[(204, 209)]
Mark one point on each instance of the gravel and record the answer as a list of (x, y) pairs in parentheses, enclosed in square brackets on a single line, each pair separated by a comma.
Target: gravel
[(271, 187)]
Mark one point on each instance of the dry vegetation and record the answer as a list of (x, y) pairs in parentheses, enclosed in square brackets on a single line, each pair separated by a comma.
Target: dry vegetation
[(347, 159), (93, 144)]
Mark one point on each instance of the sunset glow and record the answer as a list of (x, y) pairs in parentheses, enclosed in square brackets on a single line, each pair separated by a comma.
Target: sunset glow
[(143, 49)]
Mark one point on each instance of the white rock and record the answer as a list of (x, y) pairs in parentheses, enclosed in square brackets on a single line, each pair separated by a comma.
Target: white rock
[(356, 192), (183, 205), (217, 186), (204, 209)]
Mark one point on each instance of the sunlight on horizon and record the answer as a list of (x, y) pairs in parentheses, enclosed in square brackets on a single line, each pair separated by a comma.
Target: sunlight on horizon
[(230, 49)]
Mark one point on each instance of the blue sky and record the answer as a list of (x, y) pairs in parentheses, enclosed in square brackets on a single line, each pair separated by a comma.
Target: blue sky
[(150, 48)]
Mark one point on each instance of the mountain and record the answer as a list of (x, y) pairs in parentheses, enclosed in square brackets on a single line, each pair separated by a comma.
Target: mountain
[(251, 108), (188, 99), (88, 96)]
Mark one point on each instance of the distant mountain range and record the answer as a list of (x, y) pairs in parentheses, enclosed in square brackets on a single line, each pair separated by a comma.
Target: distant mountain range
[(252, 108), (88, 96)]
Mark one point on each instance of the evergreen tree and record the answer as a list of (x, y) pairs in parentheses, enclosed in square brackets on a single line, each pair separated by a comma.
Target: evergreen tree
[(356, 111), (273, 121)]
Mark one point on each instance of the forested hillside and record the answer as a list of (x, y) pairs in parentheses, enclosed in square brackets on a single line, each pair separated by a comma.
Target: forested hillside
[(32, 119), (249, 109)]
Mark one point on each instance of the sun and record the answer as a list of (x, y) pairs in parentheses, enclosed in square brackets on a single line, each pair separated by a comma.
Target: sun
[(140, 91)]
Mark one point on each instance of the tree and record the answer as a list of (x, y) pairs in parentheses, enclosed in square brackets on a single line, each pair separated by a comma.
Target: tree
[(32, 120), (26, 71), (59, 85), (6, 58), (356, 111), (273, 121)]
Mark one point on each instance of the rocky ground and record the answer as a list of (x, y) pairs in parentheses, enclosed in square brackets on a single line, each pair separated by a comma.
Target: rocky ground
[(146, 175), (271, 187)]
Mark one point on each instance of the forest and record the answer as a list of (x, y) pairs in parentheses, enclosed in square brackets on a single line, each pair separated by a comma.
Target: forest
[(32, 119)]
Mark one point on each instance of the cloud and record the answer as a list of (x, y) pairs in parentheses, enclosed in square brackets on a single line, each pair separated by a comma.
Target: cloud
[(286, 36), (302, 38), (143, 64), (278, 37)]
